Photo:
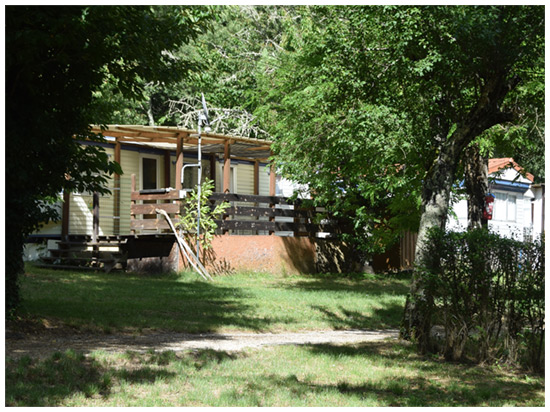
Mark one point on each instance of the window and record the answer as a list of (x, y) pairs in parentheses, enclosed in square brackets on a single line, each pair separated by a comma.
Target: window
[(189, 177), (150, 178), (149, 173), (191, 174), (505, 207)]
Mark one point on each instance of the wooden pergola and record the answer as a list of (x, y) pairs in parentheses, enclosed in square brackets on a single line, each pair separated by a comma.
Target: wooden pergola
[(170, 139), (173, 138)]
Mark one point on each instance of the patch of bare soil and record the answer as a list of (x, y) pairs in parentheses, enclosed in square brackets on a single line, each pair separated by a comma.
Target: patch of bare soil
[(39, 340)]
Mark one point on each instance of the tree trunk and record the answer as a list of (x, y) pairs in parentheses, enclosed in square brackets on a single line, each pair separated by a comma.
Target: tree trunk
[(435, 204), (14, 266), (477, 184)]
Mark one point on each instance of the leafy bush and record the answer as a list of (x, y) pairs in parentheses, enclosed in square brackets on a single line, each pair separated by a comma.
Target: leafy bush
[(208, 226), (487, 293)]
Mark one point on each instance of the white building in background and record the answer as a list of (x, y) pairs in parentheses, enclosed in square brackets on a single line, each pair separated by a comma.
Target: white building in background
[(518, 209)]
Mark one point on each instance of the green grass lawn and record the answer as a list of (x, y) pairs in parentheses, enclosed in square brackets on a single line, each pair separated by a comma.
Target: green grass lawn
[(242, 302), (369, 374)]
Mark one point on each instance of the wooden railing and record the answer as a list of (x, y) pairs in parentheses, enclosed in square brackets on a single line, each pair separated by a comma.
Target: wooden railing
[(149, 219), (247, 214), (271, 214), (143, 216)]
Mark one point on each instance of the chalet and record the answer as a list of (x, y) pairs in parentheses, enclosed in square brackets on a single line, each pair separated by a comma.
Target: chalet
[(123, 229), (518, 207)]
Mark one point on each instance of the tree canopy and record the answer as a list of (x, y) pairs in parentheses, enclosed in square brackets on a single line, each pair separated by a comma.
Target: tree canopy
[(364, 99), (56, 58), (239, 40)]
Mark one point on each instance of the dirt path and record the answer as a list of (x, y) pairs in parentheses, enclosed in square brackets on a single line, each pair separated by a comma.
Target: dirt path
[(40, 346)]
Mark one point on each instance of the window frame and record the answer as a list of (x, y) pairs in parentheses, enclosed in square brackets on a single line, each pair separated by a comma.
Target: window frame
[(507, 202), (141, 169)]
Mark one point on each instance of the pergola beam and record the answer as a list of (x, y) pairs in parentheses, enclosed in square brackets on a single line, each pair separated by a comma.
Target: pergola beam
[(250, 149)]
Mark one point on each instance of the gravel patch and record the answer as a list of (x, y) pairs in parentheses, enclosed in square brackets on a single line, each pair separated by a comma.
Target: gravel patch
[(37, 346)]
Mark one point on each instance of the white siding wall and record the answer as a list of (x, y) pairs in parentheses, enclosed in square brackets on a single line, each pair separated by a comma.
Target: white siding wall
[(81, 205), (458, 219), (81, 209), (129, 161), (508, 228), (264, 180), (244, 176), (517, 226), (537, 211), (508, 218)]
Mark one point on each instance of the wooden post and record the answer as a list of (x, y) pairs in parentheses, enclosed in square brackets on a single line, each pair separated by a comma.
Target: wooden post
[(95, 232), (116, 194), (257, 177), (213, 169), (272, 218), (296, 221), (256, 185), (65, 217), (167, 164), (226, 167), (132, 202), (179, 162), (272, 189), (272, 180)]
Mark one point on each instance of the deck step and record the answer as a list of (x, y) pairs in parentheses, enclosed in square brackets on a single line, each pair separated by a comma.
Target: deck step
[(82, 259), (105, 266), (65, 267), (82, 254), (91, 244)]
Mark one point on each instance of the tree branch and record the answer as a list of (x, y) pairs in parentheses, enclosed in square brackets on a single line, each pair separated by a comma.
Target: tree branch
[(231, 122)]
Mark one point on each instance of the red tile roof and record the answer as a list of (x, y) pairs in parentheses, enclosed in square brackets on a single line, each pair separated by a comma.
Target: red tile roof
[(507, 162)]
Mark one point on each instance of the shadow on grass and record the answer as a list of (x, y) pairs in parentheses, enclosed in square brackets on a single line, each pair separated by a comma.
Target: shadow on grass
[(388, 316), (361, 283), (434, 381), (107, 303), (196, 359), (411, 392), (49, 382), (417, 391)]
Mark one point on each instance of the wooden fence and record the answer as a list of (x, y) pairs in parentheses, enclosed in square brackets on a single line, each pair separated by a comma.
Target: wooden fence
[(247, 215), (253, 214)]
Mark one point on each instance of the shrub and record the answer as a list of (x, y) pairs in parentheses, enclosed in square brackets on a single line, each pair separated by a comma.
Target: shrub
[(488, 294), (209, 214)]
